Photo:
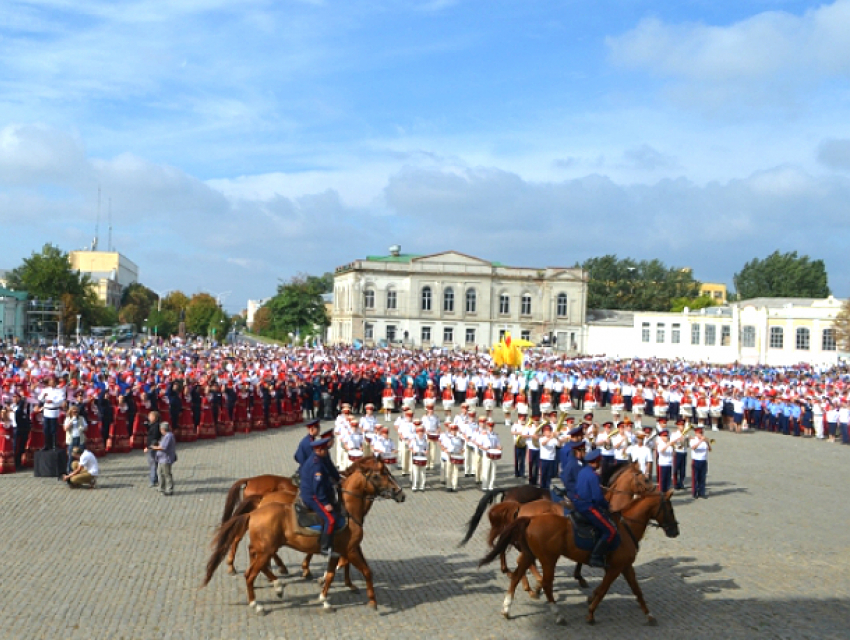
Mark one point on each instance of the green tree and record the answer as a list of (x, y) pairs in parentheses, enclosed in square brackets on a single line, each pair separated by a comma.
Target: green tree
[(200, 311), (136, 304), (262, 321), (163, 323), (701, 302), (782, 275), (297, 308), (648, 285)]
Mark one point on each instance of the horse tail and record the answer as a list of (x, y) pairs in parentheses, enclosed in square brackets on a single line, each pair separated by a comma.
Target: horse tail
[(232, 499), (487, 499), (247, 505), (501, 516), (513, 534), (222, 541)]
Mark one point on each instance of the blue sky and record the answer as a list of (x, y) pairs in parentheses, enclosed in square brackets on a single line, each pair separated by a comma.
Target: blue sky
[(243, 142)]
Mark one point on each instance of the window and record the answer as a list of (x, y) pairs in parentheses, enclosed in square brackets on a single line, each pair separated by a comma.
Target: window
[(725, 335), (710, 335), (828, 340), (676, 333), (471, 301), (390, 333), (526, 304), (695, 334), (369, 299), (748, 336), (470, 336), (777, 338), (392, 300), (502, 333), (644, 332), (504, 304), (803, 338), (426, 334), (448, 334), (449, 300), (426, 298), (525, 334), (368, 331), (562, 305), (659, 333)]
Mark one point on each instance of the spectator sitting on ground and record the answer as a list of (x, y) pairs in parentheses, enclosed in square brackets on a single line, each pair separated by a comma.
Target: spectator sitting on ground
[(84, 469)]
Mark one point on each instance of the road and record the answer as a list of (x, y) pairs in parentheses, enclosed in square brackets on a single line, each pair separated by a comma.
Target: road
[(765, 556)]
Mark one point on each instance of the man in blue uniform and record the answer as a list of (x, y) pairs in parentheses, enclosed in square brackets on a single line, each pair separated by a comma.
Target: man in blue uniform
[(590, 502), (572, 454), (305, 447), (318, 476)]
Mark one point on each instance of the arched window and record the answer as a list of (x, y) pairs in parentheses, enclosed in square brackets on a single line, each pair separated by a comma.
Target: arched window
[(803, 338), (471, 301), (562, 305), (504, 304), (369, 299), (449, 300), (426, 298), (526, 304), (392, 299)]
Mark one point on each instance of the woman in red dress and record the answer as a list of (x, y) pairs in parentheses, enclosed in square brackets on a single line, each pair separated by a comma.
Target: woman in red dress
[(187, 431), (94, 439), (142, 406), (258, 419), (119, 437), (240, 411), (206, 428)]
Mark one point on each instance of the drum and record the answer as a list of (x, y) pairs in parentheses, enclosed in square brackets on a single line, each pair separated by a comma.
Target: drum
[(456, 459), (660, 411), (429, 402), (420, 461), (472, 402), (355, 454), (389, 458), (522, 407), (589, 405), (618, 408), (409, 402), (388, 402), (545, 407), (715, 412), (368, 437), (494, 454), (702, 412), (637, 408), (433, 437), (507, 405), (448, 404), (565, 406), (489, 404)]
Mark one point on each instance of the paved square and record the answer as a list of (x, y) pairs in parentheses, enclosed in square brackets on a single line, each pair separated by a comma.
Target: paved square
[(766, 556)]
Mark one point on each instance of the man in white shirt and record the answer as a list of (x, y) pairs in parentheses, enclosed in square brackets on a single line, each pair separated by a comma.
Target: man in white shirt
[(52, 400), (84, 469)]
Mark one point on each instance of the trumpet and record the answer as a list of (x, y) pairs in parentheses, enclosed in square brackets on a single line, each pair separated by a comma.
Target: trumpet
[(519, 441), (613, 433)]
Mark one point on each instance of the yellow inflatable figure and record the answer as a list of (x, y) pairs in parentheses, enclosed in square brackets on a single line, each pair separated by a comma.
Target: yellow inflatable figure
[(508, 352)]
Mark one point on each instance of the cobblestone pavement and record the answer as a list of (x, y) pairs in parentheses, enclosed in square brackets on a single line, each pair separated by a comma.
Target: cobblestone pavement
[(765, 556)]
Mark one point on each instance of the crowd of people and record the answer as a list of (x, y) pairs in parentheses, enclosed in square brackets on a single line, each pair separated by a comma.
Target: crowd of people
[(98, 399)]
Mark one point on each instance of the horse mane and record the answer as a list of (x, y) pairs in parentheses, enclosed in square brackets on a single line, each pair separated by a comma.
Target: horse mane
[(618, 473)]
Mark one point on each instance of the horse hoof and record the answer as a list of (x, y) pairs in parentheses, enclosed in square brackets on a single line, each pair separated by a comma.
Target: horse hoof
[(583, 584), (534, 595), (327, 608), (260, 610), (651, 621), (590, 620), (353, 589), (372, 605), (589, 599), (506, 615), (561, 620), (231, 571), (307, 575)]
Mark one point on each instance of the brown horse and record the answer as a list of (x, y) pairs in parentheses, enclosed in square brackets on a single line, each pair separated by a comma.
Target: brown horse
[(547, 537), (626, 483), (256, 486), (271, 527)]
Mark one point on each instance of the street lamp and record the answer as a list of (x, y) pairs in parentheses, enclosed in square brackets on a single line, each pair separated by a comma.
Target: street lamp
[(79, 315), (159, 296), (147, 328)]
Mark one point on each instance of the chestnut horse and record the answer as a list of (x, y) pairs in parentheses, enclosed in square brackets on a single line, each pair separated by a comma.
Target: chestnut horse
[(626, 483), (271, 527), (548, 537)]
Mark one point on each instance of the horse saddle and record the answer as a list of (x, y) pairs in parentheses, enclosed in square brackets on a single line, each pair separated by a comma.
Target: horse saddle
[(559, 496), (310, 524), (585, 534)]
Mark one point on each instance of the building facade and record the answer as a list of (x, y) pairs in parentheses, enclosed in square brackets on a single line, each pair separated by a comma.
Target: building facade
[(456, 301), (761, 331), (13, 315), (109, 271)]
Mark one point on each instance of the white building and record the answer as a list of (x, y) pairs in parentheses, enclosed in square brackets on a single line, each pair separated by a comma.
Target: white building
[(768, 331), (454, 300), (253, 306)]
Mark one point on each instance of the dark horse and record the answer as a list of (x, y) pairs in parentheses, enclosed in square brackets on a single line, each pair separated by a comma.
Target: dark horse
[(274, 525), (547, 537)]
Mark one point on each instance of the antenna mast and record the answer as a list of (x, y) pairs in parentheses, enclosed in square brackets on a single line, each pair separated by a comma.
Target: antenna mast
[(97, 224), (109, 244)]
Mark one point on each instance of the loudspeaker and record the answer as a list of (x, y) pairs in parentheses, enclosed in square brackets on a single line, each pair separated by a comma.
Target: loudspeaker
[(50, 464)]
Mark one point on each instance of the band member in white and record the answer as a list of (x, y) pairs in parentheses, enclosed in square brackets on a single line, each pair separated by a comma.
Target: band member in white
[(418, 446), (432, 432), (489, 444)]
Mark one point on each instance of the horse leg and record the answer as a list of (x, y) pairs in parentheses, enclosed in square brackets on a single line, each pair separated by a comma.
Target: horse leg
[(359, 561), (548, 582), (523, 562), (277, 584), (631, 578), (346, 565), (504, 564), (232, 555), (330, 572), (611, 574), (258, 563), (305, 567), (577, 575), (539, 579), (281, 567)]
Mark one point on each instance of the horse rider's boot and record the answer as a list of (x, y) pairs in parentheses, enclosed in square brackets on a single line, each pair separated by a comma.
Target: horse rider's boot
[(326, 543), (597, 556)]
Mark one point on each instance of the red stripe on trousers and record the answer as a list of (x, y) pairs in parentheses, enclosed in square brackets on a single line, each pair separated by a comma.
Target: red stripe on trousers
[(604, 520), (331, 521)]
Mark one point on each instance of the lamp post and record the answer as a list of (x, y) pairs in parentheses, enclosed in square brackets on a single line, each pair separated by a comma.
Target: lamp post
[(159, 296), (79, 316), (147, 329)]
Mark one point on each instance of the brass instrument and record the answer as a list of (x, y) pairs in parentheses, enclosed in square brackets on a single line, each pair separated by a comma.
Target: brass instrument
[(519, 441), (608, 444)]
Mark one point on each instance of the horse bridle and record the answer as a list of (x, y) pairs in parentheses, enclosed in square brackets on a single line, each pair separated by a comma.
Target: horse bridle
[(663, 506), (387, 493)]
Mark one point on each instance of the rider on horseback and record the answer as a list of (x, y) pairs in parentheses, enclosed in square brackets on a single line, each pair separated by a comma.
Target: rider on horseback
[(318, 476), (590, 502), (305, 448)]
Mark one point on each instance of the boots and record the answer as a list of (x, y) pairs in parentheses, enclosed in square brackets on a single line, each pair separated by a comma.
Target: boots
[(597, 556), (326, 543)]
